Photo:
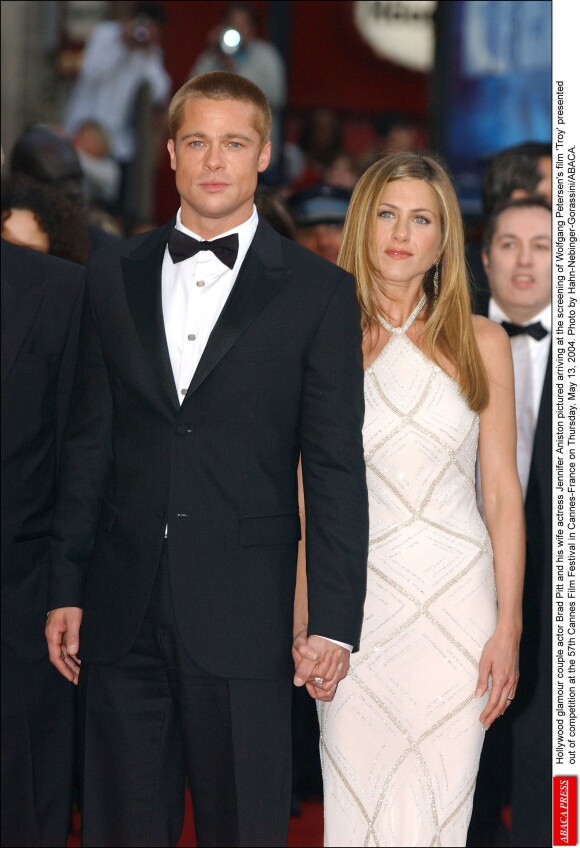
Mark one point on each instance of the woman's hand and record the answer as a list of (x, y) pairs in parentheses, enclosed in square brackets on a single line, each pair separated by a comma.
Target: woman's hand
[(320, 665), (499, 659)]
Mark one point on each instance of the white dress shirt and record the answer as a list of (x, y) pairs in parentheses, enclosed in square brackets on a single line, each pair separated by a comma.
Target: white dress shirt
[(530, 362), (193, 294)]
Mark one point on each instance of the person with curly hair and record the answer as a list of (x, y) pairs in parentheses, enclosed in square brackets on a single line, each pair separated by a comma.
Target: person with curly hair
[(37, 216)]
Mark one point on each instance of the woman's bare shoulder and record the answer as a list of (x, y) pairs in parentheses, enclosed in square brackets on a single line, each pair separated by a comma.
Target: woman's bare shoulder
[(489, 333), (493, 342)]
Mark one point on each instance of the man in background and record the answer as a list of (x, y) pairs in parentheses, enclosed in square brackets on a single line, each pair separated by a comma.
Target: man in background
[(120, 58), (517, 260), (319, 213), (524, 170)]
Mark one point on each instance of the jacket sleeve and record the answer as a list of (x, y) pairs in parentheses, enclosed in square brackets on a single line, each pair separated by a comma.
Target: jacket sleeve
[(333, 468), (67, 367), (84, 466)]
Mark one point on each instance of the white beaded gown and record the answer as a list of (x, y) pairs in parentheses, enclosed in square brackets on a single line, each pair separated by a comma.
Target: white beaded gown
[(401, 741)]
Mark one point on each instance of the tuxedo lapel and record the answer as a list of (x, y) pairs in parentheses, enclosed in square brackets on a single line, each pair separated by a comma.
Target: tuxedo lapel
[(142, 276), (260, 278), (22, 299)]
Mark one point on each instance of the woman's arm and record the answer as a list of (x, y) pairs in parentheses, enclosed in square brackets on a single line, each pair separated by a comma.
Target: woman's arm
[(504, 514), (301, 593)]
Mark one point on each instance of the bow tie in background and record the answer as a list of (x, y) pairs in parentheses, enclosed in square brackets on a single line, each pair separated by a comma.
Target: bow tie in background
[(537, 331), (182, 246)]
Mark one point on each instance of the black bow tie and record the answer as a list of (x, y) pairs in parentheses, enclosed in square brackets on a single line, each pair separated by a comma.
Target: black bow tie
[(537, 331), (182, 246)]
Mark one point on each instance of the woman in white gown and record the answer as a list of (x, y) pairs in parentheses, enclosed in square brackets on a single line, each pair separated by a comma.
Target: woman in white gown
[(438, 660)]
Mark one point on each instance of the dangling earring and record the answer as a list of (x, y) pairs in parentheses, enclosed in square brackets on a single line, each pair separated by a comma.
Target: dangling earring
[(436, 281)]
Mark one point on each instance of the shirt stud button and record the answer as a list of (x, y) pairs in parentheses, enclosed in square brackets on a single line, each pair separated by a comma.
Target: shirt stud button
[(191, 337), (200, 284)]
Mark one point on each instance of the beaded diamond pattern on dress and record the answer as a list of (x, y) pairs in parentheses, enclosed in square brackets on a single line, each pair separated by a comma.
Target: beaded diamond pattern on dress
[(401, 741)]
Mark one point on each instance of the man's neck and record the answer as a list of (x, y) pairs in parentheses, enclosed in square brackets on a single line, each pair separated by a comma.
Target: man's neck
[(211, 228), (520, 316)]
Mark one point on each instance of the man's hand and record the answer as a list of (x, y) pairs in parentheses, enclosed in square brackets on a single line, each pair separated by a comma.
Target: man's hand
[(62, 634), (320, 665)]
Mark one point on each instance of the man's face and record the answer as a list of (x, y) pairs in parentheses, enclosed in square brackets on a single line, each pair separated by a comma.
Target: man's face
[(141, 32), (519, 262), (217, 155), (323, 239)]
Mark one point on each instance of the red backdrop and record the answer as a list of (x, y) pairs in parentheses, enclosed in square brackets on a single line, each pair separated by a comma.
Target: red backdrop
[(328, 65)]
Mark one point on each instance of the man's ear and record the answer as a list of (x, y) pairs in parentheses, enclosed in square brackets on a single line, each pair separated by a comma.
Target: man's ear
[(171, 149), (264, 157), (485, 260)]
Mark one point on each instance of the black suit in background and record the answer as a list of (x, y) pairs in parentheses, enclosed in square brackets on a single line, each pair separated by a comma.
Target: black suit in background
[(516, 762), (41, 300), (532, 711), (281, 376)]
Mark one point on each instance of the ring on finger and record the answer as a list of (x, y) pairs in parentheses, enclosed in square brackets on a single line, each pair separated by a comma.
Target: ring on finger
[(319, 681)]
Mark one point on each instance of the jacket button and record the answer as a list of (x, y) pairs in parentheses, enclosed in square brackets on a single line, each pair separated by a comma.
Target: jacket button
[(182, 430)]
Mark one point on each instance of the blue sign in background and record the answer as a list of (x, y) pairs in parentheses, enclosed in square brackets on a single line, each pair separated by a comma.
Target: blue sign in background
[(494, 73)]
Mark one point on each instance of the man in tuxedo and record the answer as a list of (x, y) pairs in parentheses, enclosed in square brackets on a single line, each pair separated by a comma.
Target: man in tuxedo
[(514, 173), (41, 307), (516, 257), (213, 353)]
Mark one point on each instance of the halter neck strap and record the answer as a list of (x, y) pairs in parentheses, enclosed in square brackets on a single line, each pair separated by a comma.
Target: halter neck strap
[(398, 331)]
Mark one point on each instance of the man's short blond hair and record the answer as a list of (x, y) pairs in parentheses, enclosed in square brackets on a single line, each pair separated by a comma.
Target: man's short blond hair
[(221, 85)]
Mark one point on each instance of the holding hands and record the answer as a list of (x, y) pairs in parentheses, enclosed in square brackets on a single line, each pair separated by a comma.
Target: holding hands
[(320, 665)]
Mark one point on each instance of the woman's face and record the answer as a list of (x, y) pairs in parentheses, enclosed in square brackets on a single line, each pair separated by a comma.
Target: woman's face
[(408, 231), (21, 227)]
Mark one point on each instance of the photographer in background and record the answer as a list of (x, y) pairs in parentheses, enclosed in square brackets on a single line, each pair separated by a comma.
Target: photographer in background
[(120, 58), (233, 46)]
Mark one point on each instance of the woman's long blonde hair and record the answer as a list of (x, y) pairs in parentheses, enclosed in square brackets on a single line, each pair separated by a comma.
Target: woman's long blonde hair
[(449, 327)]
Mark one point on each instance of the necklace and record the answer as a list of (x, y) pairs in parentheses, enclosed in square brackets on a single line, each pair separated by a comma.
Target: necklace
[(398, 331)]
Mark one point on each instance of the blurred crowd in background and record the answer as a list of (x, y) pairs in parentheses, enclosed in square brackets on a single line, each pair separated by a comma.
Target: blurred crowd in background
[(116, 106)]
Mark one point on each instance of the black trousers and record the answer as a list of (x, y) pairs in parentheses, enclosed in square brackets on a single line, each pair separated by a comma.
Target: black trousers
[(38, 729), (156, 717)]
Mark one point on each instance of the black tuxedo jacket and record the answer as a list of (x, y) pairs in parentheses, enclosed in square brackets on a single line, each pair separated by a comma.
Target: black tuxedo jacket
[(41, 307), (281, 376), (536, 647)]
